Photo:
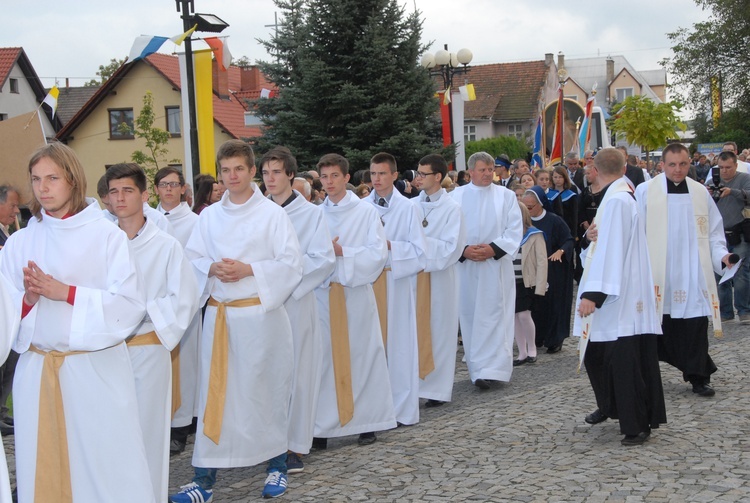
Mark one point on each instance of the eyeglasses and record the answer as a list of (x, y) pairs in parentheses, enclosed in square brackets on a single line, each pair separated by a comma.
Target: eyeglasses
[(164, 185), (422, 175)]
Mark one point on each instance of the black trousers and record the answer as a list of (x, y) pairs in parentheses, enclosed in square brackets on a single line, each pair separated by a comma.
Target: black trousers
[(685, 345)]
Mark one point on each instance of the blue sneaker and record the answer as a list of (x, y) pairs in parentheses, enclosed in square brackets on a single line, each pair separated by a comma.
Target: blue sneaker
[(275, 485), (193, 493), (294, 463)]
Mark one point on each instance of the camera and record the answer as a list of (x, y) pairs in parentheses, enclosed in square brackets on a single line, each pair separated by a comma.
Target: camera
[(716, 189)]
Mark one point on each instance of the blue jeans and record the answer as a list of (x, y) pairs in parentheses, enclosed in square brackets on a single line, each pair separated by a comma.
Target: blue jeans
[(735, 293), (206, 477)]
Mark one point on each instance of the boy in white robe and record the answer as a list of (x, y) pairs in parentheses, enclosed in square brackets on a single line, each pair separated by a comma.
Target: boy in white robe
[(248, 261), (487, 292), (279, 167), (445, 238), (73, 279), (355, 392), (171, 297), (171, 187), (405, 239), (616, 312)]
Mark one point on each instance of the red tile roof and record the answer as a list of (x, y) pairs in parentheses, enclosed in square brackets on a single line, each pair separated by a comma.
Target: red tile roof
[(506, 91), (8, 58), (229, 114)]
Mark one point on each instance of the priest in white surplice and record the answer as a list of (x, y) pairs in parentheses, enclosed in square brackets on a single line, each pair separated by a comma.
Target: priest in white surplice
[(279, 167), (445, 238), (171, 187), (487, 290), (405, 238), (247, 258), (616, 313), (9, 319), (355, 391), (686, 243), (73, 278), (171, 296)]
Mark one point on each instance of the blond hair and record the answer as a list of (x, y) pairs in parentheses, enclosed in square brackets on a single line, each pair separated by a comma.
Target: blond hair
[(67, 160)]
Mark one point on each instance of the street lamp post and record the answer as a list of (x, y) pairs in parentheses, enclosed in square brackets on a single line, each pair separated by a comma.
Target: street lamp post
[(446, 65), (205, 22), (562, 76)]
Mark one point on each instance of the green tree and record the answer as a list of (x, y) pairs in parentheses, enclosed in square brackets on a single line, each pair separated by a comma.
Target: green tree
[(105, 72), (646, 123), (511, 146), (715, 50), (156, 139), (349, 82)]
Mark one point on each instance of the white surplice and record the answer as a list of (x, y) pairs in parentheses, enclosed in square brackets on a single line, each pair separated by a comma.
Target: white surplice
[(619, 268), (487, 292), (362, 239), (445, 238), (261, 354), (183, 221), (9, 319), (685, 293), (318, 261), (171, 296), (405, 259), (98, 388)]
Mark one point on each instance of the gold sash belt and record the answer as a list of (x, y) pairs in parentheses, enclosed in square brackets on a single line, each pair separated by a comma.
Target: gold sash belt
[(340, 352), (52, 478), (380, 288), (213, 415), (151, 339), (424, 329)]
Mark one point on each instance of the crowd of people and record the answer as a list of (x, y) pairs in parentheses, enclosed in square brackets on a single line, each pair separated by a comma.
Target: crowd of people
[(283, 308)]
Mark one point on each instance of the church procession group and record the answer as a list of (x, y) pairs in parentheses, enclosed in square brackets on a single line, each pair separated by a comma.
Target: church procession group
[(279, 323)]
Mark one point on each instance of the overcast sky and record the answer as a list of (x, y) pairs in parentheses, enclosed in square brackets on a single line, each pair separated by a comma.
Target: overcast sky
[(72, 38)]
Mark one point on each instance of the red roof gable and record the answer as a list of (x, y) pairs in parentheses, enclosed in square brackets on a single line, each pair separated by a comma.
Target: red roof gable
[(506, 91), (8, 57)]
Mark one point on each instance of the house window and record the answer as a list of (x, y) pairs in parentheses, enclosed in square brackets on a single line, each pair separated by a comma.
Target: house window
[(14, 85), (120, 123), (515, 130), (470, 133), (173, 120), (252, 120), (622, 93)]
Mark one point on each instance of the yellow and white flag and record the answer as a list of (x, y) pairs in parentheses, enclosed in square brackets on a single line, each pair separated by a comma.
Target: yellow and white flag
[(51, 99), (178, 39), (467, 92)]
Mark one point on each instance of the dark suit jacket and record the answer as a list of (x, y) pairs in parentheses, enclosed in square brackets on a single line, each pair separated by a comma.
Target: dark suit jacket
[(635, 174), (578, 179), (3, 239)]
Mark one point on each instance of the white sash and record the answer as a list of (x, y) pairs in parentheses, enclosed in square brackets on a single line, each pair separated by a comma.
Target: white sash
[(656, 235)]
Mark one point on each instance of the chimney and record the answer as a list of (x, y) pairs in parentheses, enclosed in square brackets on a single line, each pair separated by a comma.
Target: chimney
[(610, 77), (249, 78), (220, 80), (67, 82), (548, 59), (560, 60)]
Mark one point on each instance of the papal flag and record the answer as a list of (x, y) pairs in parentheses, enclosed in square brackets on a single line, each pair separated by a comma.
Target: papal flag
[(51, 99), (179, 39)]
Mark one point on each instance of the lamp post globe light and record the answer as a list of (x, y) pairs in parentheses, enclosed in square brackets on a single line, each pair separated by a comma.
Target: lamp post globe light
[(206, 23), (446, 65)]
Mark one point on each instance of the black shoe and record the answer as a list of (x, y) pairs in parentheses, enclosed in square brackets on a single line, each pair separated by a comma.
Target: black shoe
[(596, 417), (320, 443), (703, 389), (631, 440), (433, 403), (482, 384), (517, 363), (8, 420), (531, 359), (176, 447), (367, 438), (554, 349)]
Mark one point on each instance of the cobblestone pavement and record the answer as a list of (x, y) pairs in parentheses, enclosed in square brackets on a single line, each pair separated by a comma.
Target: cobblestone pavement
[(526, 441)]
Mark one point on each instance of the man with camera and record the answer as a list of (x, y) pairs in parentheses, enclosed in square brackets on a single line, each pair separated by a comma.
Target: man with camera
[(731, 192)]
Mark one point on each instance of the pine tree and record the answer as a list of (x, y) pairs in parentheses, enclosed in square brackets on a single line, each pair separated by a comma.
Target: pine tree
[(349, 83)]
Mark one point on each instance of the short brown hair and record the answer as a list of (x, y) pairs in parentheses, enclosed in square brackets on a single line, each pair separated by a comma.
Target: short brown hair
[(236, 148), (609, 161), (334, 160), (385, 157), (284, 156), (674, 148), (67, 160)]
